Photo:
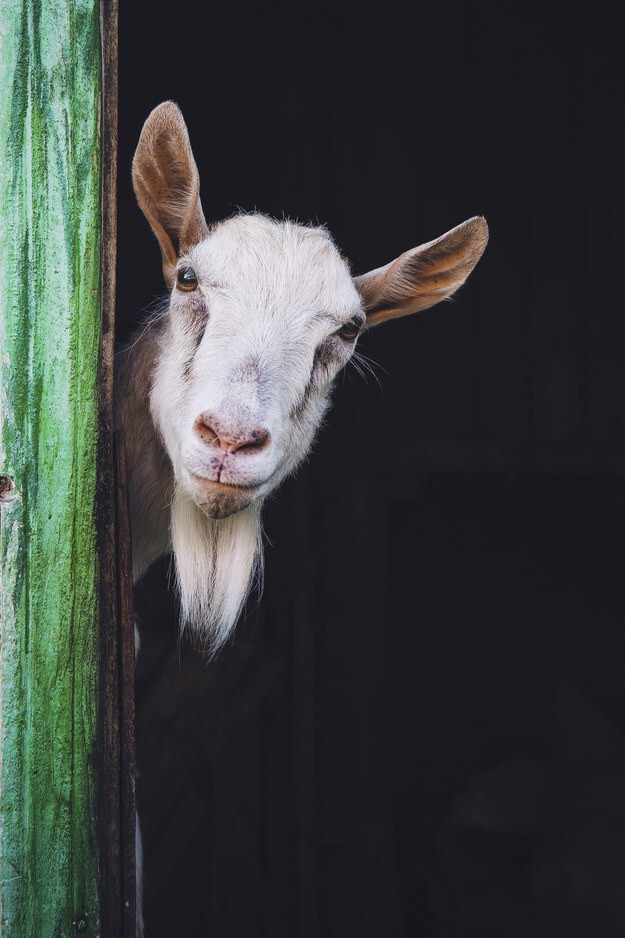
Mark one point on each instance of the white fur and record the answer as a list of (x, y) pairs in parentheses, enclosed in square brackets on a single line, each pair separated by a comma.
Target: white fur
[(272, 296), (215, 565)]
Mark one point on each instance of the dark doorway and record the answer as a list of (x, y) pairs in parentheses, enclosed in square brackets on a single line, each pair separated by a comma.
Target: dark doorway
[(506, 706), (419, 728)]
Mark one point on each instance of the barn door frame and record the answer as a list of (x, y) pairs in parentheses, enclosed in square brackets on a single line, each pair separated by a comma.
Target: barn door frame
[(67, 810)]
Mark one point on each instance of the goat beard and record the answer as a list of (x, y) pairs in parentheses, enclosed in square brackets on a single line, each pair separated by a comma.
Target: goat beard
[(217, 562)]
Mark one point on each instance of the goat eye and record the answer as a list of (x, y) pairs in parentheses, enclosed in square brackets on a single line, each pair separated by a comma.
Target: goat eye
[(187, 278), (351, 329)]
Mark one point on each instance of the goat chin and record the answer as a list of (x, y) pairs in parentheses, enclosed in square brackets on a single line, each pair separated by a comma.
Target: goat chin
[(217, 561), (218, 501)]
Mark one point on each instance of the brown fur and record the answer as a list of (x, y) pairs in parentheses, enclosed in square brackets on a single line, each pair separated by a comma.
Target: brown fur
[(167, 184), (424, 276)]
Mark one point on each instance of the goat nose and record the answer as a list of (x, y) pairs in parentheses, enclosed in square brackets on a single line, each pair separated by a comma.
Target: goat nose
[(231, 439)]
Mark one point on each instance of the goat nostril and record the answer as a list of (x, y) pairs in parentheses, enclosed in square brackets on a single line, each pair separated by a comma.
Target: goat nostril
[(205, 431), (258, 439)]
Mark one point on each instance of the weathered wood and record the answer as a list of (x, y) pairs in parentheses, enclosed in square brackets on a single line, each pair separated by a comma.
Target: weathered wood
[(50, 131), (114, 910)]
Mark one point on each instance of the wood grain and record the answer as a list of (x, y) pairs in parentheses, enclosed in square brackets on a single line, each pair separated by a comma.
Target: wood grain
[(50, 132)]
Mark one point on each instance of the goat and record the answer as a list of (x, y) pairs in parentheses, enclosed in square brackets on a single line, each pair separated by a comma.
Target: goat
[(220, 393)]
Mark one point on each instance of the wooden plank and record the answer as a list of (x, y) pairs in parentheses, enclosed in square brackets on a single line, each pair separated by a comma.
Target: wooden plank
[(50, 68), (109, 772)]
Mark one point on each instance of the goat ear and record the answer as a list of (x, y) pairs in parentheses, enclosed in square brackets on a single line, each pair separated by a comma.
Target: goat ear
[(425, 275), (167, 184)]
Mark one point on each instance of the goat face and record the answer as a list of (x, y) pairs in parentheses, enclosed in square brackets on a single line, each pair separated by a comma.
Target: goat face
[(262, 316)]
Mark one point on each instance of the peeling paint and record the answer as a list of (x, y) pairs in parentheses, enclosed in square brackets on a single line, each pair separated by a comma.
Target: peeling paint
[(49, 343)]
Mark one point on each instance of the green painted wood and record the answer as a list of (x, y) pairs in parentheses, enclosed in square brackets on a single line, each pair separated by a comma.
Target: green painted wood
[(50, 64)]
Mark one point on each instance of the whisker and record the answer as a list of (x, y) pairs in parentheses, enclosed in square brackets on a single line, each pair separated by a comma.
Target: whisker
[(365, 367), (154, 312)]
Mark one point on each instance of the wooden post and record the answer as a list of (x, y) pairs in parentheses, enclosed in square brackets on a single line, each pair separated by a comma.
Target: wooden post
[(51, 745)]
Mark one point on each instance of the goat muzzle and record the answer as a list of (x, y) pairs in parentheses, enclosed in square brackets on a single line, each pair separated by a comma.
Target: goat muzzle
[(234, 437)]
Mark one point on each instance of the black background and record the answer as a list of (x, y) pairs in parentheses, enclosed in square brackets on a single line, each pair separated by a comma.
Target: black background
[(420, 728)]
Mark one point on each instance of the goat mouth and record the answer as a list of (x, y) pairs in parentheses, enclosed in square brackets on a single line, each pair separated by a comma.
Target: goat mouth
[(219, 500), (235, 487)]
